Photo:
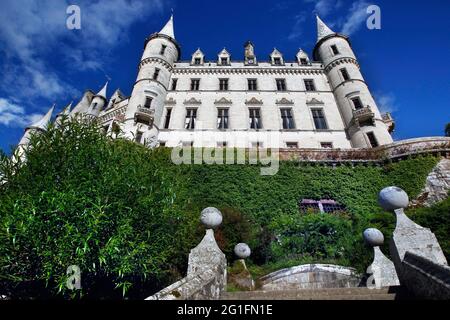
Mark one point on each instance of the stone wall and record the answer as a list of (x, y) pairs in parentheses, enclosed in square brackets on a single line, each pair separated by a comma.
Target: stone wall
[(437, 185), (424, 278), (311, 276)]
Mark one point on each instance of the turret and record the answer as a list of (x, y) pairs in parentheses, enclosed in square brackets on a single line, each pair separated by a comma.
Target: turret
[(84, 104), (37, 127), (64, 112), (364, 124), (98, 103), (146, 103)]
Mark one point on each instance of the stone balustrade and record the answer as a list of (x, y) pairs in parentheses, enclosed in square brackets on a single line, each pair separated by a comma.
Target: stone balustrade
[(207, 267)]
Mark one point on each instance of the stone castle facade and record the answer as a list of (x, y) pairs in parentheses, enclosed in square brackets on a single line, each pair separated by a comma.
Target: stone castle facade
[(313, 102)]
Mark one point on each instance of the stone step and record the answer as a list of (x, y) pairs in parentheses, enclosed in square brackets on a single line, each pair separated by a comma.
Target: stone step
[(319, 294)]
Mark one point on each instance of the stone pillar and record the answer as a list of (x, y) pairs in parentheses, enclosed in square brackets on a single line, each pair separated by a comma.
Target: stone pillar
[(241, 277), (408, 236), (208, 256), (382, 269)]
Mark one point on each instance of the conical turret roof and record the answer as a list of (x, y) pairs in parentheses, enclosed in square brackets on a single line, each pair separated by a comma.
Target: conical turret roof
[(168, 28), (44, 121), (322, 29)]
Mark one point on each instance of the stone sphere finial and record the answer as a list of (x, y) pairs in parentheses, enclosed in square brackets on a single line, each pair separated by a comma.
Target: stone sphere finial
[(211, 217), (373, 237), (393, 198), (242, 251)]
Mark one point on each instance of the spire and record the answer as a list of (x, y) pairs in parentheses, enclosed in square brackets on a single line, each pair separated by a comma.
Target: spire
[(66, 110), (102, 93), (168, 28), (42, 124), (322, 29)]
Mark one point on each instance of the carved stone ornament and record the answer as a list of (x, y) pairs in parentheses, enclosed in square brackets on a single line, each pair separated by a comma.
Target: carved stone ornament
[(192, 101), (223, 101), (285, 101), (254, 101)]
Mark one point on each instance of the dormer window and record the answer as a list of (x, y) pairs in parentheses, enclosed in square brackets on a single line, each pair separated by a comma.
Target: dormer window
[(303, 61), (277, 61), (224, 61), (198, 61), (198, 58)]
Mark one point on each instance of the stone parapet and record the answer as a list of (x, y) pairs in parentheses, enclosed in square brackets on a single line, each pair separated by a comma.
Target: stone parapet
[(425, 278), (396, 150)]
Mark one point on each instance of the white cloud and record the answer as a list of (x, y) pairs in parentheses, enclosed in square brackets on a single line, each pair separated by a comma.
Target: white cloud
[(386, 102), (356, 18), (325, 7), (297, 30), (13, 115), (34, 37)]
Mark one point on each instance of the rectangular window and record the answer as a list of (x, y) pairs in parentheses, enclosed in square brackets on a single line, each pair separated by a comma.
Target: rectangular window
[(277, 61), (195, 84), (162, 143), (286, 117), (138, 137), (222, 119), (309, 85), (163, 50), (303, 61), (197, 61), (191, 115), (224, 61), (281, 84), (357, 103), (334, 49), (291, 145), (345, 74), (156, 74), (148, 102), (174, 84), (326, 145), (167, 120), (372, 139), (255, 119), (319, 119), (223, 84), (252, 85)]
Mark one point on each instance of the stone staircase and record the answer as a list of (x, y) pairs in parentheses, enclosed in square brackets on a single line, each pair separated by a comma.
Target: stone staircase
[(391, 293)]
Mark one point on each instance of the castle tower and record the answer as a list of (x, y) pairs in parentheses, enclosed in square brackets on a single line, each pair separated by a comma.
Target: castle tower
[(98, 103), (364, 124), (64, 112), (39, 126), (147, 99)]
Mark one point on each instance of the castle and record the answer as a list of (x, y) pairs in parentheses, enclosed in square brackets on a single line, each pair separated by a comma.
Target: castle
[(318, 102)]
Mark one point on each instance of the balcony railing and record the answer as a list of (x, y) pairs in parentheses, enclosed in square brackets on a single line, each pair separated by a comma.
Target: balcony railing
[(363, 114), (144, 115)]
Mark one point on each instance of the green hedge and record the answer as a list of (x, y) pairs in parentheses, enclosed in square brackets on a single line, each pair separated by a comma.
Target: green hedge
[(129, 217)]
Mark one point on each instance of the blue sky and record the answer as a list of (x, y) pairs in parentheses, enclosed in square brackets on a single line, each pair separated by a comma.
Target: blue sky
[(42, 62)]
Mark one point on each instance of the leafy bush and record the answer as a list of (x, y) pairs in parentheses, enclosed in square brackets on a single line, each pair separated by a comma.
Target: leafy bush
[(83, 200)]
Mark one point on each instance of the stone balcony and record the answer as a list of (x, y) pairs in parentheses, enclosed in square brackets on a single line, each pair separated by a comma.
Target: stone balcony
[(144, 115), (389, 121), (363, 114)]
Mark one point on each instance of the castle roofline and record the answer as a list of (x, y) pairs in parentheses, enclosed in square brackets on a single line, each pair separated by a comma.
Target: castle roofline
[(321, 41)]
